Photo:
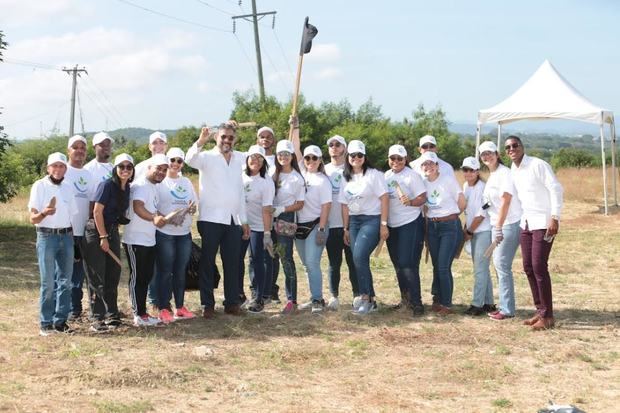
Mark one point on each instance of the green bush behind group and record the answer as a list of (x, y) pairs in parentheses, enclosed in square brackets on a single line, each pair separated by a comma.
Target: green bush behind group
[(23, 162)]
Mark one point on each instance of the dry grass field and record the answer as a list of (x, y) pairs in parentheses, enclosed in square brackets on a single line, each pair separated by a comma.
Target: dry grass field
[(385, 362)]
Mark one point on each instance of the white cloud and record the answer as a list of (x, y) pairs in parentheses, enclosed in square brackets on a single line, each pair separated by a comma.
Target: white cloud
[(25, 12), (329, 73), (204, 87), (325, 52)]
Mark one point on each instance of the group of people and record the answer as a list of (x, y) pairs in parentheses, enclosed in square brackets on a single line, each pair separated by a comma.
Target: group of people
[(275, 198)]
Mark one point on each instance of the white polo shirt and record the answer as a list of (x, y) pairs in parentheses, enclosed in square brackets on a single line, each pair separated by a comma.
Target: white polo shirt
[(41, 194), (539, 191), (140, 231), (411, 185), (334, 173), (220, 185), (500, 182), (83, 186), (361, 194)]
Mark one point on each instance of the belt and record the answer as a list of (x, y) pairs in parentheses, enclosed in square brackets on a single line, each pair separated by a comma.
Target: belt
[(55, 230), (450, 217)]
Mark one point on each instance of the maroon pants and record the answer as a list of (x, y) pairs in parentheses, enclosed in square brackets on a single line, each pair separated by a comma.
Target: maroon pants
[(535, 251)]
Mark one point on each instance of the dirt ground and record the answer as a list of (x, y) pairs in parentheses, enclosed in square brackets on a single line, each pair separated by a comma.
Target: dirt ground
[(387, 361)]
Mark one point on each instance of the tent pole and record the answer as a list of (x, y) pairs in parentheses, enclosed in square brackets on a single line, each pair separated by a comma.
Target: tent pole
[(478, 126), (604, 164), (499, 135), (612, 130)]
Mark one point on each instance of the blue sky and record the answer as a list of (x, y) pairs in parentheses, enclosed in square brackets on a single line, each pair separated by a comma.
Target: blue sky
[(149, 71)]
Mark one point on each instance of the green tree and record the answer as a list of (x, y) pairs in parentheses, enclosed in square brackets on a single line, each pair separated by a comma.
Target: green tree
[(573, 158), (7, 176)]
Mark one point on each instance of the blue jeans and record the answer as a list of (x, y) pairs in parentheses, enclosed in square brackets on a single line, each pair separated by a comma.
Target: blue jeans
[(483, 286), (310, 255), (502, 260), (260, 268), (442, 241), (405, 247), (77, 278), (335, 247), (435, 285), (154, 288), (364, 237), (172, 257), (55, 256), (226, 238)]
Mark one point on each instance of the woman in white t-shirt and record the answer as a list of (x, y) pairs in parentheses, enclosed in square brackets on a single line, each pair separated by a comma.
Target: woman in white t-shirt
[(365, 208), (444, 203), (259, 192), (289, 198), (505, 213), (406, 223), (174, 242), (478, 234)]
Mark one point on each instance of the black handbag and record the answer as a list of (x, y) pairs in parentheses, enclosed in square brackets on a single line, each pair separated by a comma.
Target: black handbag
[(305, 228)]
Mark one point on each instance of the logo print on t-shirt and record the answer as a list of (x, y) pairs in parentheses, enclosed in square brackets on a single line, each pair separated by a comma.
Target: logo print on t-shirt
[(179, 192), (80, 185), (433, 199)]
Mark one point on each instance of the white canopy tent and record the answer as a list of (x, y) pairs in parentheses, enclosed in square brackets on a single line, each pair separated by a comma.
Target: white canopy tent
[(547, 95)]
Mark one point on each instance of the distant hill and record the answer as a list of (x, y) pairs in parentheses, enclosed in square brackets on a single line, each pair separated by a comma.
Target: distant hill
[(140, 135)]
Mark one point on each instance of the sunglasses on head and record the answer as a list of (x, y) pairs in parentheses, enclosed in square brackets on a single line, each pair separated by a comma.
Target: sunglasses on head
[(125, 167), (176, 160), (357, 155), (311, 157), (396, 158), (428, 146), (512, 146)]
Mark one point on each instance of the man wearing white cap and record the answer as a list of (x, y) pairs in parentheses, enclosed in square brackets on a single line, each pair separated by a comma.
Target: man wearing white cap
[(158, 144), (83, 187), (101, 168), (222, 214), (428, 143), (51, 207), (337, 148), (265, 138), (139, 236)]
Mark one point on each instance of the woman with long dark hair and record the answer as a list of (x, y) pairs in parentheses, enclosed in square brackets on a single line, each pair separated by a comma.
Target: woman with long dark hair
[(102, 243), (365, 206)]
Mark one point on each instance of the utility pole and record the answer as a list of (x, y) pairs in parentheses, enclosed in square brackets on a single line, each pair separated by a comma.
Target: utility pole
[(255, 17), (75, 72)]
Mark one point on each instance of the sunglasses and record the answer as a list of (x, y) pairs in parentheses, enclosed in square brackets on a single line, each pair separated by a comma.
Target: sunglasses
[(467, 170), (256, 157), (176, 160), (511, 146), (125, 167), (357, 155), (228, 137), (335, 145), (396, 158), (428, 146), (311, 158), (284, 154)]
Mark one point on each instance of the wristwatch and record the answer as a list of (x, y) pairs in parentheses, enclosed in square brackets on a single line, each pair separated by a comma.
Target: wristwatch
[(321, 229), (384, 223), (557, 218)]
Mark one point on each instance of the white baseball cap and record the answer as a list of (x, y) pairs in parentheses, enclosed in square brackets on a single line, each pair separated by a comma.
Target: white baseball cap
[(429, 156), (397, 150), (121, 158), (256, 149), (313, 150), (57, 157), (265, 129), (337, 138), (285, 146), (76, 138), (175, 153), (356, 146), (159, 159), (100, 137), (427, 139), (471, 163), (487, 146), (158, 135)]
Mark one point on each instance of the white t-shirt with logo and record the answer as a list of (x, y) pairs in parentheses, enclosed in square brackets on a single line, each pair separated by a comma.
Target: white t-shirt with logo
[(99, 171), (334, 173), (318, 193), (411, 185), (140, 231), (291, 188), (501, 182), (442, 196), (173, 194), (361, 194), (475, 200), (259, 193), (83, 186), (41, 194)]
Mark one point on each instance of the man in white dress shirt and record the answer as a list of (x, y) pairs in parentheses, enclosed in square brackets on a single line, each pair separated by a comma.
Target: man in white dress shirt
[(541, 197), (222, 219)]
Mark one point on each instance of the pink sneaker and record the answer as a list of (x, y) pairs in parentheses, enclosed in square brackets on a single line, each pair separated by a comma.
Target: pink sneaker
[(166, 316), (499, 316), (183, 313), (289, 308)]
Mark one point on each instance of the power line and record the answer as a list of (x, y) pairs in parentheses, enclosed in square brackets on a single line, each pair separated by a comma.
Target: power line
[(245, 53), (31, 64), (278, 73), (101, 108), (79, 102), (39, 115), (168, 16), (92, 83), (282, 51), (214, 8)]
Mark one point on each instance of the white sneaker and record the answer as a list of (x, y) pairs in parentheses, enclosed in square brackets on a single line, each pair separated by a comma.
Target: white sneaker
[(317, 306), (305, 306), (374, 307), (145, 321), (333, 304), (364, 308), (357, 301)]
